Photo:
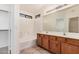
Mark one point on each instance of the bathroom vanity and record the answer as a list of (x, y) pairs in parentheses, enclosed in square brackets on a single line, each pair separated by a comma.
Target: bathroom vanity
[(61, 31), (59, 44)]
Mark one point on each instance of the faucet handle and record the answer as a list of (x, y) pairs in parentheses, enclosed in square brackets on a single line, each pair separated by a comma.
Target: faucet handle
[(64, 33)]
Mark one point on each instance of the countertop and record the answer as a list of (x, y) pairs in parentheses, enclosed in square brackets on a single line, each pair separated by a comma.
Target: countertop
[(61, 34)]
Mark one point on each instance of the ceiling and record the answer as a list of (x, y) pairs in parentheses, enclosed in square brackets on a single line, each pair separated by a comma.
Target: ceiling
[(32, 8)]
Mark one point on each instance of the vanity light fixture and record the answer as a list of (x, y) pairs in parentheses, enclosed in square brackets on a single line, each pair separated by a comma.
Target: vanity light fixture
[(25, 16)]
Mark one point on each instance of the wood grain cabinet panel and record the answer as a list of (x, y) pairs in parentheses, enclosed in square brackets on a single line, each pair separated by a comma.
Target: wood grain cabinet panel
[(52, 38), (57, 44), (54, 46), (45, 42), (60, 39), (67, 48), (73, 41), (39, 39)]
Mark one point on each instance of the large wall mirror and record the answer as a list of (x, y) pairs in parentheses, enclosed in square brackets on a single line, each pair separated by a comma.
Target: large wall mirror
[(66, 20)]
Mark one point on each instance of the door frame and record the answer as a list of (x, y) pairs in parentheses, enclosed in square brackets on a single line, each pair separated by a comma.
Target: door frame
[(14, 42)]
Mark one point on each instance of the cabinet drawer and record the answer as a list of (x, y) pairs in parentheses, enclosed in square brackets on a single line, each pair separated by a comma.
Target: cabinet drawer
[(40, 36), (73, 41), (61, 39), (52, 38)]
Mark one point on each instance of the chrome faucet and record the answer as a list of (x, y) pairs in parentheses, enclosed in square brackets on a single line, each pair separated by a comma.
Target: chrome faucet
[(46, 32), (64, 33)]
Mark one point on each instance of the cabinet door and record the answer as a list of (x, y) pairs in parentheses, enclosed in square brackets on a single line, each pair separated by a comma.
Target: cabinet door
[(39, 39), (69, 48), (54, 46), (45, 42)]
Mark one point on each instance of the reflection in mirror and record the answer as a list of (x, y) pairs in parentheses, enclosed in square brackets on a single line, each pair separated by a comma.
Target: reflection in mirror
[(60, 25), (66, 20), (74, 24), (54, 22), (72, 19)]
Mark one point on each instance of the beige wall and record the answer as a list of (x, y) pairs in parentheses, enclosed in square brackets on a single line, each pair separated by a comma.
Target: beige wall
[(49, 21)]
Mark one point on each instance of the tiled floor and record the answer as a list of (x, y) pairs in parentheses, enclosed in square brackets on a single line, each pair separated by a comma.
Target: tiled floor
[(34, 50)]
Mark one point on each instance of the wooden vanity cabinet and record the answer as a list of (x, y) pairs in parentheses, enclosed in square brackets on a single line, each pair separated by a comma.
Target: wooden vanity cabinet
[(60, 39), (72, 41), (57, 44), (67, 48), (71, 46), (54, 45), (39, 39), (45, 42)]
